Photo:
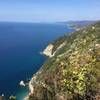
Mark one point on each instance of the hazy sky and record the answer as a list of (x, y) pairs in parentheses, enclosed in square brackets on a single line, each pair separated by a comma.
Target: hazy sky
[(49, 10)]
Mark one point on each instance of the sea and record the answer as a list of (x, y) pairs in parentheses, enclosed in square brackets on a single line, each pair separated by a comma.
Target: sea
[(20, 47)]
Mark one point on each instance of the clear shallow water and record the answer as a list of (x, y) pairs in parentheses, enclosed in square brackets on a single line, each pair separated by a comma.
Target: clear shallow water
[(20, 44)]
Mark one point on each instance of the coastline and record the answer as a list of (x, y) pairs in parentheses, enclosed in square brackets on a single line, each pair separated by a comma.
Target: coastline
[(48, 51), (32, 53)]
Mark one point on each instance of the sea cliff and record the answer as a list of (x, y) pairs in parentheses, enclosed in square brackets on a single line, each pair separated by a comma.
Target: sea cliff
[(73, 72), (48, 50)]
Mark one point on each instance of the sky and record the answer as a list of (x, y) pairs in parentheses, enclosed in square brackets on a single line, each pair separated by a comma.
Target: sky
[(49, 10)]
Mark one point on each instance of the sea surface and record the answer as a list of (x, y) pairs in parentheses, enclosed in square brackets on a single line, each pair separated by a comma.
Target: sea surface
[(20, 44)]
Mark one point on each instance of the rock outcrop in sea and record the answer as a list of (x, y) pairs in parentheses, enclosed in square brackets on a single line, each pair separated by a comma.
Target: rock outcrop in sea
[(22, 83)]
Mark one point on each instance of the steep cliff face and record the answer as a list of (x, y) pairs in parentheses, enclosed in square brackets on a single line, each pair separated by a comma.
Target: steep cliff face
[(48, 50), (73, 73)]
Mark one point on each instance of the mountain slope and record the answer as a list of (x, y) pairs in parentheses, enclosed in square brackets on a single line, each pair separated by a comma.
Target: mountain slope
[(73, 73)]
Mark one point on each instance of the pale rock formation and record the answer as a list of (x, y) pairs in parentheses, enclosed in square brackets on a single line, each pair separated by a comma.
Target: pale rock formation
[(48, 50), (31, 88), (22, 83)]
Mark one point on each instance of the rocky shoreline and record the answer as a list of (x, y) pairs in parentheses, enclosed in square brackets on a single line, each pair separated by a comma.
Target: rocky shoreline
[(48, 51), (80, 51)]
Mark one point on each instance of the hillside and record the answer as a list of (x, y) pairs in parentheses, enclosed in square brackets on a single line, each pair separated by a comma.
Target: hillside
[(73, 73), (76, 24)]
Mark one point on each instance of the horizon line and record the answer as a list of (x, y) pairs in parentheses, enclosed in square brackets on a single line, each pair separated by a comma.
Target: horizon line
[(45, 21)]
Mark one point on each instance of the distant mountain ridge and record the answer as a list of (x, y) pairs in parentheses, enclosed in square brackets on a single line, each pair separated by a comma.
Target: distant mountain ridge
[(77, 24)]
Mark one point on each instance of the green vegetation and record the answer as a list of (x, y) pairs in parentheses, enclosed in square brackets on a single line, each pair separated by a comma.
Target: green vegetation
[(12, 98), (57, 42), (74, 72)]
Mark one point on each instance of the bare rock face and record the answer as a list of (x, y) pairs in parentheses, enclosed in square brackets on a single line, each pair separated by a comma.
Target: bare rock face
[(48, 50)]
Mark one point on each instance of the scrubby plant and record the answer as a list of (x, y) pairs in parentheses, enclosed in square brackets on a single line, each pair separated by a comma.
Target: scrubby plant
[(12, 98)]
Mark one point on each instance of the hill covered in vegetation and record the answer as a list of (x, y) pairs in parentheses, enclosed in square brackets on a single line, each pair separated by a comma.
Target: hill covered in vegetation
[(73, 73)]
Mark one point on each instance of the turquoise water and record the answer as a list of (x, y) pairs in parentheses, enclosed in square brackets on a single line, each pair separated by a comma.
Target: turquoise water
[(20, 44), (22, 93)]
